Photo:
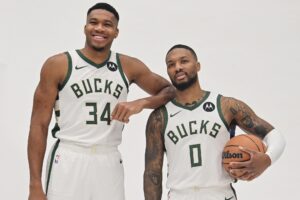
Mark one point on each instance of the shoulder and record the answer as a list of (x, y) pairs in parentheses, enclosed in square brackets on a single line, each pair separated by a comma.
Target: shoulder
[(228, 101), (230, 104), (130, 61), (156, 121), (229, 107), (55, 62), (133, 67), (56, 66), (157, 115)]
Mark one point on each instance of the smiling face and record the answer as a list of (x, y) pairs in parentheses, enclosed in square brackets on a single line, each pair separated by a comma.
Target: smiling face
[(101, 29), (182, 67)]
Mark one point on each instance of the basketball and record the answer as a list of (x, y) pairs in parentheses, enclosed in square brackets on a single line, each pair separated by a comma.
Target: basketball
[(232, 152)]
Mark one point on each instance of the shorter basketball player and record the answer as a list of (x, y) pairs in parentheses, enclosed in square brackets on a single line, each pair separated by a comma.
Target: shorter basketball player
[(192, 129)]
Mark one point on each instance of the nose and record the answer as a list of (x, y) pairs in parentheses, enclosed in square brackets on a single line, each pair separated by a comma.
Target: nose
[(178, 67), (99, 27)]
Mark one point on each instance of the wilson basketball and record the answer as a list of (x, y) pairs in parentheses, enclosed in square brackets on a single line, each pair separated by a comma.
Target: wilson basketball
[(232, 153)]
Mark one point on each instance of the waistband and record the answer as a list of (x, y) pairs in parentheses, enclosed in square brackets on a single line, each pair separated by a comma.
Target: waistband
[(202, 189), (93, 149)]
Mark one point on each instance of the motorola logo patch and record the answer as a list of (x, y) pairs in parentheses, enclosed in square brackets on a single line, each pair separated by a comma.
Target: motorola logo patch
[(209, 107), (112, 66)]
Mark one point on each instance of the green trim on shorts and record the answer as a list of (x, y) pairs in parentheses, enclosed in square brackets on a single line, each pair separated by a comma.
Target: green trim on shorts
[(51, 163)]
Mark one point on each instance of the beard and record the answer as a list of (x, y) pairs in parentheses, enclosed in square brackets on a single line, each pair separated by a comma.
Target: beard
[(182, 86)]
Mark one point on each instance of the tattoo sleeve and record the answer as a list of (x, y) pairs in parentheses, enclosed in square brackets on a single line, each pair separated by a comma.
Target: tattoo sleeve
[(154, 156), (245, 118)]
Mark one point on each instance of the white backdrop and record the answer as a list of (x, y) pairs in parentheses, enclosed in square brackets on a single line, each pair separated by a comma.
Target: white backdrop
[(248, 50)]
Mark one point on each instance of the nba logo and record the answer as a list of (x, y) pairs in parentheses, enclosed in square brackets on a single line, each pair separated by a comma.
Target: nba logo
[(56, 159)]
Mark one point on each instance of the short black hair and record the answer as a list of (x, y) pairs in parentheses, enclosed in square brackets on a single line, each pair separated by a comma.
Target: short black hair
[(182, 46), (104, 6)]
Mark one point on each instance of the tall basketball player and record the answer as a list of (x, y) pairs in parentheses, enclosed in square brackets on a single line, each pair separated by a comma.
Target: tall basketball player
[(192, 129), (87, 88)]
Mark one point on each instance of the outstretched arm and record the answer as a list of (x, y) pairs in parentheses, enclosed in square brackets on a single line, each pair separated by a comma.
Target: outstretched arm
[(154, 156), (160, 89), (238, 113)]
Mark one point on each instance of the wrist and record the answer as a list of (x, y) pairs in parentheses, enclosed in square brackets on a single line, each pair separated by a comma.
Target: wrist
[(143, 103), (268, 160), (35, 184), (275, 145)]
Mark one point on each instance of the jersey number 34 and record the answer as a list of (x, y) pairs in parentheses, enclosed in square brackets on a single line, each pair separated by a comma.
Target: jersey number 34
[(105, 115)]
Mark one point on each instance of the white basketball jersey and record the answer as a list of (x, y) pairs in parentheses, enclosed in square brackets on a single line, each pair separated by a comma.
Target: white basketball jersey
[(86, 100), (194, 138)]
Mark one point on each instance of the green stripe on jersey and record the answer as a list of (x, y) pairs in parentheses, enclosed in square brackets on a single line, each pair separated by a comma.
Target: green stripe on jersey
[(122, 72), (91, 62), (60, 87), (220, 111)]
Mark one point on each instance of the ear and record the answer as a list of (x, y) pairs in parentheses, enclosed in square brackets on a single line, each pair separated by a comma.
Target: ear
[(84, 29), (198, 66), (117, 33)]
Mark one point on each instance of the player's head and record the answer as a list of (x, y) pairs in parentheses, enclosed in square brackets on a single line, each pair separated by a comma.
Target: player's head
[(182, 66), (101, 26), (104, 6)]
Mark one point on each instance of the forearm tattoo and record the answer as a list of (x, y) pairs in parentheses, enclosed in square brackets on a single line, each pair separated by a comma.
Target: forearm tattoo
[(154, 156), (156, 178)]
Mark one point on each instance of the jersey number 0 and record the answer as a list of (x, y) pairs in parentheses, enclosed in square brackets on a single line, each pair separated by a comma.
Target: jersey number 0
[(195, 155)]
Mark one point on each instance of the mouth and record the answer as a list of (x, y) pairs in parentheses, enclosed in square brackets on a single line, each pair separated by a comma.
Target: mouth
[(180, 76), (99, 38)]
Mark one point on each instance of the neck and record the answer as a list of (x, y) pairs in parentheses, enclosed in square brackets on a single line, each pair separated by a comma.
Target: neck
[(192, 94), (95, 56)]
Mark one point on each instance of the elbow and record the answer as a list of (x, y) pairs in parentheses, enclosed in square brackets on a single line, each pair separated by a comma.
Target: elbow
[(169, 93)]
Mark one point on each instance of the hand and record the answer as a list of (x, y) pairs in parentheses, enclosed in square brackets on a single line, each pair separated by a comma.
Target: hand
[(249, 170), (124, 110)]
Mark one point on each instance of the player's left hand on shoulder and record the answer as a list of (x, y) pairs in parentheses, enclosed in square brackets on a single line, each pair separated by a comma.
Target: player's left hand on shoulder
[(249, 170), (124, 110)]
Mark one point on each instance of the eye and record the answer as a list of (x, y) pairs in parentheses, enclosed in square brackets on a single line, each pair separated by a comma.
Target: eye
[(169, 65), (108, 24), (184, 61), (93, 22)]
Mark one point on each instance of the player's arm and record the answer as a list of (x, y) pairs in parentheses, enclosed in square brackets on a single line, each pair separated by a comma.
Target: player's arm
[(239, 113), (242, 115), (160, 89), (44, 99), (154, 156)]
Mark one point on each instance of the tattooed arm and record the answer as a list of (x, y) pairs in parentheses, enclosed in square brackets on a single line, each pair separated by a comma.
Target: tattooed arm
[(154, 156), (238, 113)]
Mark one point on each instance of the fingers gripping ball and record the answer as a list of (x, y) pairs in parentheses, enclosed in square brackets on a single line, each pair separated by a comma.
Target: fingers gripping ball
[(232, 152)]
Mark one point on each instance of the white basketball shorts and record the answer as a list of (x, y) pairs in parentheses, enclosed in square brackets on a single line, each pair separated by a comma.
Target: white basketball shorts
[(84, 173), (213, 193)]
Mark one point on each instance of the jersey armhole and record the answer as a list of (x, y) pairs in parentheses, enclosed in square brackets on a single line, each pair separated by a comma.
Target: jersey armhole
[(122, 72), (60, 87), (220, 112), (165, 116)]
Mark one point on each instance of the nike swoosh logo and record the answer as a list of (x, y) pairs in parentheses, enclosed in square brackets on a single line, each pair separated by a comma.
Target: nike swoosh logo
[(76, 67), (172, 115), (229, 198)]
